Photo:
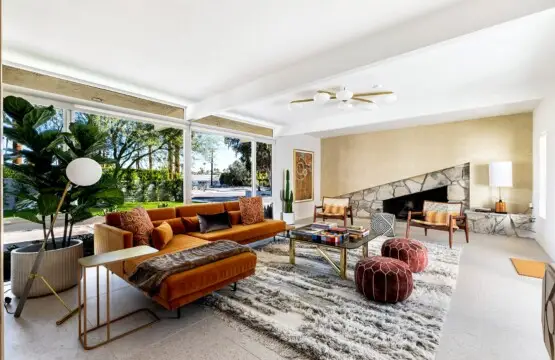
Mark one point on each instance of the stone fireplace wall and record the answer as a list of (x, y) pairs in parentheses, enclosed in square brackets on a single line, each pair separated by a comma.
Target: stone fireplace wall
[(457, 179)]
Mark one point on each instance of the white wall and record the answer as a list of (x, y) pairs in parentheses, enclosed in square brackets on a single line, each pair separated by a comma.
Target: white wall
[(544, 121), (283, 160)]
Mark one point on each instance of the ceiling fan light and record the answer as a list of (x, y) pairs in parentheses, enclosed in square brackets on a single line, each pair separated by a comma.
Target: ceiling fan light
[(390, 98), (344, 95), (370, 106), (321, 98)]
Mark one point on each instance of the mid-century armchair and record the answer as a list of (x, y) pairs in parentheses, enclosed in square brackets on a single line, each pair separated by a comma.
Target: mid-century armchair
[(448, 217), (334, 208)]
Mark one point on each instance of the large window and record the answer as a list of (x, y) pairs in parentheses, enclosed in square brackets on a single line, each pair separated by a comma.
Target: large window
[(264, 169), (221, 167), (146, 161), (542, 203)]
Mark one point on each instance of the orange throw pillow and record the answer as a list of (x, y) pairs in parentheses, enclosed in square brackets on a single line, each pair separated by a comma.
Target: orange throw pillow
[(162, 235), (235, 217), (176, 223), (252, 210), (138, 222)]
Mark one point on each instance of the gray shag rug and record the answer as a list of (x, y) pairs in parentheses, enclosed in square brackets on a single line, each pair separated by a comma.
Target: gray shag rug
[(307, 311)]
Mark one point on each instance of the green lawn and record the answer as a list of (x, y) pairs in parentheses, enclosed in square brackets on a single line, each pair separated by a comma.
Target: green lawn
[(125, 207)]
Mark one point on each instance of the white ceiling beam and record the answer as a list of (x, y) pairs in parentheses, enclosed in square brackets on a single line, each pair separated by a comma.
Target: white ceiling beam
[(462, 18)]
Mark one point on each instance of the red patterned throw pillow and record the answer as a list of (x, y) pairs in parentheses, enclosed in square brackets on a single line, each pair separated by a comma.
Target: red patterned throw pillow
[(252, 211), (138, 222)]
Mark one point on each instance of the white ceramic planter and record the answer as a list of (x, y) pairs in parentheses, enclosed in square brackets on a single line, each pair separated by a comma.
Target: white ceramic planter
[(289, 218), (59, 267)]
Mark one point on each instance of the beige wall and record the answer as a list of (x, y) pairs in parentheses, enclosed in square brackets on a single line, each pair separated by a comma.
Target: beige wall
[(356, 162)]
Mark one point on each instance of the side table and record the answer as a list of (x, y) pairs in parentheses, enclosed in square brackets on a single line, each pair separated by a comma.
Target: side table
[(97, 261)]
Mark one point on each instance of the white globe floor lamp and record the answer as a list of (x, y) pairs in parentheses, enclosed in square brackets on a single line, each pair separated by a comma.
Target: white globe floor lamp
[(81, 172)]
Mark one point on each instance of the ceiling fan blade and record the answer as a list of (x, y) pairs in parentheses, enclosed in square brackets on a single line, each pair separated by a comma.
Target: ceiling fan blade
[(331, 93), (376, 93), (301, 101), (361, 99)]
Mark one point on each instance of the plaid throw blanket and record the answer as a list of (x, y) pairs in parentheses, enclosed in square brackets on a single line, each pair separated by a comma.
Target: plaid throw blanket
[(149, 275)]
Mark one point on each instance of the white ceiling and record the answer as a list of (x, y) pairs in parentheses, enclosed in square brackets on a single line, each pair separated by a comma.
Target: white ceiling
[(248, 58)]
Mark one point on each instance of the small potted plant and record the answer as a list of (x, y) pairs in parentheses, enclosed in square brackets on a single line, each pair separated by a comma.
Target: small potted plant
[(287, 199)]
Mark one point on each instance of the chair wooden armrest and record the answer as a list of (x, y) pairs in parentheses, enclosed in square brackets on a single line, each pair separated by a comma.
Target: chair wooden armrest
[(318, 207), (459, 217), (416, 212)]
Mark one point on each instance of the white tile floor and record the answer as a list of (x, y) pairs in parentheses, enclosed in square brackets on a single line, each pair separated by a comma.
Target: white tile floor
[(495, 314)]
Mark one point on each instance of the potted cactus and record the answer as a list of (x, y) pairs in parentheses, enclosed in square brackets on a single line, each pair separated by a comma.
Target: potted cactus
[(287, 199)]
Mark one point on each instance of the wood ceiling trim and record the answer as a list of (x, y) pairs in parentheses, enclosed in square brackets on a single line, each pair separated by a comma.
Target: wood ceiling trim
[(224, 123), (36, 81)]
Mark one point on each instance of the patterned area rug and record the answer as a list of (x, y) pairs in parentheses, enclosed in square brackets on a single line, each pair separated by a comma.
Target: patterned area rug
[(308, 308)]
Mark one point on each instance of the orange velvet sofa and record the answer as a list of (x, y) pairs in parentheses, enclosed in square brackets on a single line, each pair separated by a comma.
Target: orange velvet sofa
[(183, 288)]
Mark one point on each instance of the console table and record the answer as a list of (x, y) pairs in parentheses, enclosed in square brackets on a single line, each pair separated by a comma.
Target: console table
[(519, 225), (95, 261)]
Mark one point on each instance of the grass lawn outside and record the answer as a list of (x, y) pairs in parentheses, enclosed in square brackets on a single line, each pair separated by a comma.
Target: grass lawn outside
[(125, 207)]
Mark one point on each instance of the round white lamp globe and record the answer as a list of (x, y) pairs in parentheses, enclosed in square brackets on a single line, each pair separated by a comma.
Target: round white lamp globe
[(321, 98), (84, 171), (344, 95)]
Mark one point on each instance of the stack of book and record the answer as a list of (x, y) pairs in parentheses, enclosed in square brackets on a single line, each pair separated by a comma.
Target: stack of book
[(331, 236), (358, 232), (323, 225)]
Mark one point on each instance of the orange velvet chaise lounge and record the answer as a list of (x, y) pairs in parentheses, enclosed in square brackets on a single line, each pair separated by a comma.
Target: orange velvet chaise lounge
[(182, 288)]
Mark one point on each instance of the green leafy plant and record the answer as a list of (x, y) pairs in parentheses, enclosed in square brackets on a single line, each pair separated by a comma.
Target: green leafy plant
[(286, 195), (44, 156)]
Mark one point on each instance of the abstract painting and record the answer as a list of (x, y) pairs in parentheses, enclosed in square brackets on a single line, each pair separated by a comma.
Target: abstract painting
[(303, 174)]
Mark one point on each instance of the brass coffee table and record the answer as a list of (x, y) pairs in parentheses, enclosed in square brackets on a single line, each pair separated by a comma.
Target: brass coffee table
[(350, 244)]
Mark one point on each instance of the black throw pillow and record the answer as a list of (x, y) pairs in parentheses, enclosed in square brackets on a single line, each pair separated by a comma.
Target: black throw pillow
[(214, 222)]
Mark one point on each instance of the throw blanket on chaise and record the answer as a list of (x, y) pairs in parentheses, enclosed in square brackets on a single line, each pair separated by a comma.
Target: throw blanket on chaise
[(149, 275)]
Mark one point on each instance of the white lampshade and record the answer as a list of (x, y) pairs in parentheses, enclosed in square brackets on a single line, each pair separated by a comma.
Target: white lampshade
[(389, 98), (84, 171), (501, 174), (344, 95), (321, 98)]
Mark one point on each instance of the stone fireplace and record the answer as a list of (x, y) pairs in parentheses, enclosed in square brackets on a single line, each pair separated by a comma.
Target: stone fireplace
[(451, 184)]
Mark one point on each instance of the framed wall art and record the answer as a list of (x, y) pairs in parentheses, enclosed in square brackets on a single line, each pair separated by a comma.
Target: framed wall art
[(303, 175)]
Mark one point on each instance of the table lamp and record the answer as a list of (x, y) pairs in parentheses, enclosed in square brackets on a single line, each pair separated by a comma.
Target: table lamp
[(501, 175), (81, 172)]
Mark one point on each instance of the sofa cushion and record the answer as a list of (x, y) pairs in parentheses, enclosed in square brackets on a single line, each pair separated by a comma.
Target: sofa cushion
[(161, 214), (242, 233), (194, 209), (213, 222), (252, 210), (161, 235), (231, 205), (178, 242), (235, 217), (138, 222), (176, 223), (191, 223)]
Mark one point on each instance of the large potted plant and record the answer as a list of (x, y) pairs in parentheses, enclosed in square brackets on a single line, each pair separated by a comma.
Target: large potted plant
[(287, 199), (43, 157)]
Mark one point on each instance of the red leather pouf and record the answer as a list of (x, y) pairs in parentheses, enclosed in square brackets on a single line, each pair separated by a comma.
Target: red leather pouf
[(410, 251), (383, 279)]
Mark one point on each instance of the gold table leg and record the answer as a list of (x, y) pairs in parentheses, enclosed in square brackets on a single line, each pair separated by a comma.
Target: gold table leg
[(292, 251), (365, 250), (343, 264), (109, 321)]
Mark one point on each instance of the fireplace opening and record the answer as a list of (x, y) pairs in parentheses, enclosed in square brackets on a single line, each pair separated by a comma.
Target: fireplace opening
[(400, 206)]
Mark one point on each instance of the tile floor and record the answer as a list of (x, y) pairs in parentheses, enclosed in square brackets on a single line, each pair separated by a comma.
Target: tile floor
[(495, 314)]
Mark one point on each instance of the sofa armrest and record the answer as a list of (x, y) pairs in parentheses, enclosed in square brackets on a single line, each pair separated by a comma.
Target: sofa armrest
[(110, 238)]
